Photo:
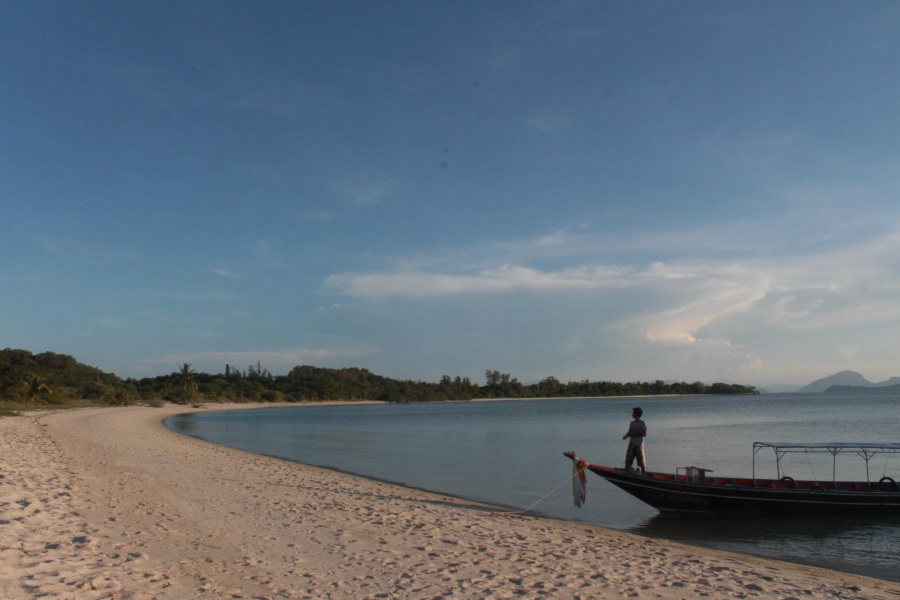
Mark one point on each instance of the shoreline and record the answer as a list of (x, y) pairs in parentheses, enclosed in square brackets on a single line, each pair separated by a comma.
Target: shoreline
[(636, 396), (109, 503)]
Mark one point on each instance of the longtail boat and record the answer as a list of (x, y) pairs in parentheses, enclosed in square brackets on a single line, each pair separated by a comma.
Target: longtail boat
[(695, 489)]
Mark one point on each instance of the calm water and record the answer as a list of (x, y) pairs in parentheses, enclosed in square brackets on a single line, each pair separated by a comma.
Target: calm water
[(510, 454)]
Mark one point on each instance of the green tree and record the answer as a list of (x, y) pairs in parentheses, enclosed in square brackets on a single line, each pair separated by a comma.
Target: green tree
[(492, 377), (550, 387)]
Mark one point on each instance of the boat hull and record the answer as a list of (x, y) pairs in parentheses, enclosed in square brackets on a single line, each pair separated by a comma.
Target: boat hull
[(669, 493)]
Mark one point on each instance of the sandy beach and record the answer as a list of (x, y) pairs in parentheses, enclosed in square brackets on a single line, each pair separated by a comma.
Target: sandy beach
[(107, 503)]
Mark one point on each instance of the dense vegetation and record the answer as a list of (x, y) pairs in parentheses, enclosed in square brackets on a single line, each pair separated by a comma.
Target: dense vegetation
[(49, 378)]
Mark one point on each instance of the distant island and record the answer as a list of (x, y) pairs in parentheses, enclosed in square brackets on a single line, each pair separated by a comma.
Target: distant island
[(846, 379), (842, 381), (52, 379), (863, 389)]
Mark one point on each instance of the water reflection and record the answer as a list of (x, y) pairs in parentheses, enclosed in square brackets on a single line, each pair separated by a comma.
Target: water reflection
[(186, 423), (790, 538)]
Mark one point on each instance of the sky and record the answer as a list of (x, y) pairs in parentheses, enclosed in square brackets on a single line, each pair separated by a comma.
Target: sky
[(601, 190)]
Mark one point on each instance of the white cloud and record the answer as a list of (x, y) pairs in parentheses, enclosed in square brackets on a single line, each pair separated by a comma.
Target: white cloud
[(844, 287), (700, 295), (505, 278), (701, 303)]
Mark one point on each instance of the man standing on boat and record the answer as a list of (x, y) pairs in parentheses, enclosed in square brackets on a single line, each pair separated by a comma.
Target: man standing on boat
[(637, 431)]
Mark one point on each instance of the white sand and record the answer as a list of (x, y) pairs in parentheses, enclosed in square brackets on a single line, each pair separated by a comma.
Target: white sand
[(107, 503)]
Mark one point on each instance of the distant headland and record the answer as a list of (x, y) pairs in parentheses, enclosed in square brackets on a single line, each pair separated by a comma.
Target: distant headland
[(50, 378), (843, 381)]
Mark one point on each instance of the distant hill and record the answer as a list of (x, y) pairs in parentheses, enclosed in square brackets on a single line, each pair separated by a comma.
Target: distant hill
[(864, 389), (846, 379), (54, 378)]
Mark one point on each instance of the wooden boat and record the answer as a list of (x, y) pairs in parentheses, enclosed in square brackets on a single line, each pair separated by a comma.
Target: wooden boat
[(694, 489)]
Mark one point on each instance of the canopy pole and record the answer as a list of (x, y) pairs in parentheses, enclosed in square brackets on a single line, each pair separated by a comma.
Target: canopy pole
[(754, 463)]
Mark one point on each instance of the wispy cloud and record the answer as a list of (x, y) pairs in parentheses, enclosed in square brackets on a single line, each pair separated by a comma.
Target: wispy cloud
[(366, 194), (505, 278), (318, 215), (199, 295), (227, 274), (202, 334), (682, 301), (710, 297), (112, 321)]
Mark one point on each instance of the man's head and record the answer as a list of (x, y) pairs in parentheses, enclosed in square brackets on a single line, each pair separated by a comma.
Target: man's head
[(636, 412)]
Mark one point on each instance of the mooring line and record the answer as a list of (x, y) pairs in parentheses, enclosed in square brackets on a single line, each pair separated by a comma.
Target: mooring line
[(521, 513)]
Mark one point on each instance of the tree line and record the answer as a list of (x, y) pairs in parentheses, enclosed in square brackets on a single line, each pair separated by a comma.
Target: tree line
[(50, 378)]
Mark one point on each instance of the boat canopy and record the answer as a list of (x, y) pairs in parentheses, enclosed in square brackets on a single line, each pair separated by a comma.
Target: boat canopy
[(863, 449), (795, 447)]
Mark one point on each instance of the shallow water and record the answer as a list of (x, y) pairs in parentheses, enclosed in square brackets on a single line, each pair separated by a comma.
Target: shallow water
[(510, 454)]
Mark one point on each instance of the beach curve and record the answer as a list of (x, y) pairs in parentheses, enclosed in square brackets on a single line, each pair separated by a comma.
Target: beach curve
[(108, 503)]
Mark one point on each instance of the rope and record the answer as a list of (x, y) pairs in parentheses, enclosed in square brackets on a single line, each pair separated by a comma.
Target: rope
[(811, 470), (521, 513)]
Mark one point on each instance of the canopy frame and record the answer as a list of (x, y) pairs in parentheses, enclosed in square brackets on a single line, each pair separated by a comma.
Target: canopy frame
[(863, 450)]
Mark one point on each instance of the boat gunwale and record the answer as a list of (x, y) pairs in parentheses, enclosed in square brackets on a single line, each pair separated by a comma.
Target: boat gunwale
[(767, 486), (693, 492)]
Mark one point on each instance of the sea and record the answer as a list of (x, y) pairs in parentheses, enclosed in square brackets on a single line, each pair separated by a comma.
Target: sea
[(510, 454)]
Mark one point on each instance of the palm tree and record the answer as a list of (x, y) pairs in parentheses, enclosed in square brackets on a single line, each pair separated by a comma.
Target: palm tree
[(186, 375), (34, 387)]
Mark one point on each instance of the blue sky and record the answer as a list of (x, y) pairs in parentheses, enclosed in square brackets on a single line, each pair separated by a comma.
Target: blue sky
[(589, 190)]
